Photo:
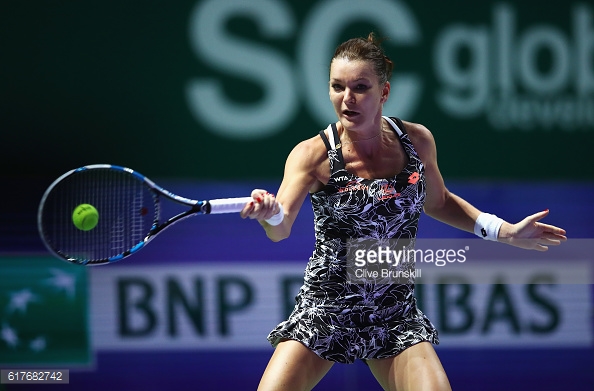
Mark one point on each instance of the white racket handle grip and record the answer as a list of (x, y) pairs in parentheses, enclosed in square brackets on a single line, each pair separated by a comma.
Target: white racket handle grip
[(228, 205)]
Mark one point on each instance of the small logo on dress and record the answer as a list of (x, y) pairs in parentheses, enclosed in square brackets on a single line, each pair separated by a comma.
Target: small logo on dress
[(413, 178), (353, 186)]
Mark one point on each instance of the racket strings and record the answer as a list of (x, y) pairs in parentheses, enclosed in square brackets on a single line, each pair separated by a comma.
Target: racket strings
[(118, 232), (137, 226), (129, 228), (124, 204)]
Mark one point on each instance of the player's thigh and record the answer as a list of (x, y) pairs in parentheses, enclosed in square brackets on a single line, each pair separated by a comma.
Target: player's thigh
[(416, 368), (293, 367)]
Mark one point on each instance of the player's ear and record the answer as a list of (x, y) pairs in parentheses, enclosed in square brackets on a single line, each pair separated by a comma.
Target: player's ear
[(385, 92)]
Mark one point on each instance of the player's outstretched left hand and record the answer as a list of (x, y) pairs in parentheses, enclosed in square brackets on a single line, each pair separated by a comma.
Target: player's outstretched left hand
[(531, 234)]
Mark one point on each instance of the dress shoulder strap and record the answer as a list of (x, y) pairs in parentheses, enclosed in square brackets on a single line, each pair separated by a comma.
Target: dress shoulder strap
[(397, 125), (334, 150)]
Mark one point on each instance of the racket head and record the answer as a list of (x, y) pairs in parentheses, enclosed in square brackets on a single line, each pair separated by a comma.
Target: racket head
[(128, 210)]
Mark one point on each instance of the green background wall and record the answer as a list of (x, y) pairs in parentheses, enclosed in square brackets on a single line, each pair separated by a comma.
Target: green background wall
[(506, 87)]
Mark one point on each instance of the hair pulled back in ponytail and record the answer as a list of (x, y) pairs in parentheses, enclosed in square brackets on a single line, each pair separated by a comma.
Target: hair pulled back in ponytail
[(369, 50)]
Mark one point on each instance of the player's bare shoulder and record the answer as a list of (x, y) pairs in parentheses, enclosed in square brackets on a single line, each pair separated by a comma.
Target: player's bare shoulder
[(311, 156), (310, 151), (418, 132), (422, 139)]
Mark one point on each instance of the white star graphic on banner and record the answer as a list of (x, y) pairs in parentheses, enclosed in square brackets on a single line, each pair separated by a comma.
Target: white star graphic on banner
[(19, 300), (38, 344), (8, 335), (62, 281)]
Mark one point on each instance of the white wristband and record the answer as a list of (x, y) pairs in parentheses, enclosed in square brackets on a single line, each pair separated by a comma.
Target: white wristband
[(277, 218), (487, 226)]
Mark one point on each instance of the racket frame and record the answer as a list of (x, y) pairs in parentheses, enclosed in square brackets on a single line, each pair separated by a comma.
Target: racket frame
[(226, 205)]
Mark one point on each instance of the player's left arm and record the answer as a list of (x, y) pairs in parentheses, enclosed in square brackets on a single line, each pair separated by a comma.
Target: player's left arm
[(447, 207)]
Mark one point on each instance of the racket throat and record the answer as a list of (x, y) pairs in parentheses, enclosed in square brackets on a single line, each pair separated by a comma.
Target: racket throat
[(203, 207)]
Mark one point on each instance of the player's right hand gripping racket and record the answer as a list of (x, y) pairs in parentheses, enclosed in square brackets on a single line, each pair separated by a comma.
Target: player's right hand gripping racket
[(128, 206)]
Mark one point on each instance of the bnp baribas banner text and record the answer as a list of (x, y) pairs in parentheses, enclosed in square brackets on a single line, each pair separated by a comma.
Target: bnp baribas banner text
[(205, 84), (53, 313), (235, 306)]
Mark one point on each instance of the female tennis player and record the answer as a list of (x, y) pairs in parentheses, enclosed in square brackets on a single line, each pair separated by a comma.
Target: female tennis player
[(368, 176)]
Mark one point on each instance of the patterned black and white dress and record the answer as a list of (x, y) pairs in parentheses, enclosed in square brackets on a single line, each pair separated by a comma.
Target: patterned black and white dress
[(343, 321)]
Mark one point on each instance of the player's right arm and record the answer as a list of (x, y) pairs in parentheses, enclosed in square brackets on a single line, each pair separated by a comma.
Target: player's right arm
[(303, 173)]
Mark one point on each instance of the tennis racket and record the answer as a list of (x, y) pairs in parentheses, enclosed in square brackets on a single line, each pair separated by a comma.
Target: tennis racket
[(128, 206)]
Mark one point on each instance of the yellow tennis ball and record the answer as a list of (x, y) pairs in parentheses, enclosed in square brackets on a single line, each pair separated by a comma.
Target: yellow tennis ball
[(85, 217)]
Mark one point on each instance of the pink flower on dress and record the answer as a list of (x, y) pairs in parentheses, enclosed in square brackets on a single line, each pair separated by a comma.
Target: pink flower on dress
[(413, 178)]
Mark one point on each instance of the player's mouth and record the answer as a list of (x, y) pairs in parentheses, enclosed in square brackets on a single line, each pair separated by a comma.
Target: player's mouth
[(350, 113)]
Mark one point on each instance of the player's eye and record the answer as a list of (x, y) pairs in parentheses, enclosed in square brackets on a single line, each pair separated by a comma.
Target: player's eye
[(337, 87)]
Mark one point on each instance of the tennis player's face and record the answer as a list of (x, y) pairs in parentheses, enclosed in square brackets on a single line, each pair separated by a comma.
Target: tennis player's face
[(355, 93)]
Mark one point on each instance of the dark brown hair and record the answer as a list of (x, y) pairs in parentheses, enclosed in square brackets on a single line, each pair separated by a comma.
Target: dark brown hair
[(369, 50)]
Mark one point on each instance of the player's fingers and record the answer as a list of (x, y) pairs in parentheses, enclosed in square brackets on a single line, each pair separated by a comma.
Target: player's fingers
[(247, 210), (540, 247), (263, 207), (270, 204), (258, 194), (259, 208), (536, 216), (543, 243), (551, 229), (552, 239)]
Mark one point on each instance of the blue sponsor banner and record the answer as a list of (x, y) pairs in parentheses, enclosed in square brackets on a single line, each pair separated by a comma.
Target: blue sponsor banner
[(205, 293)]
